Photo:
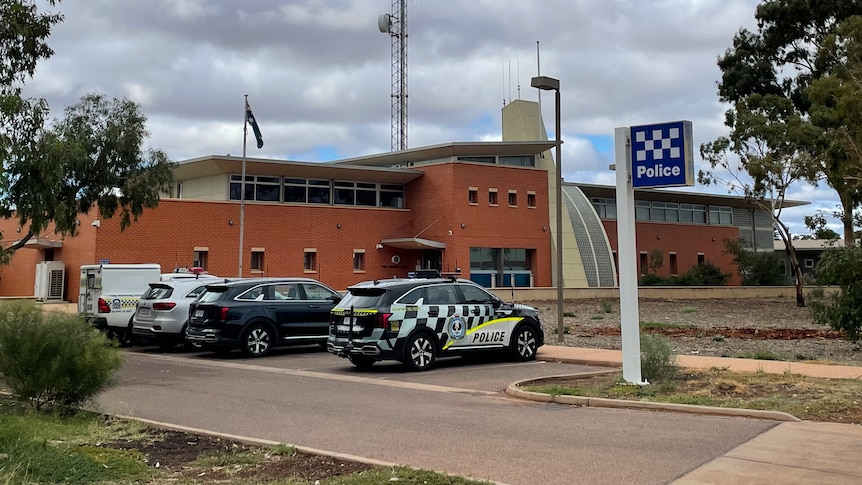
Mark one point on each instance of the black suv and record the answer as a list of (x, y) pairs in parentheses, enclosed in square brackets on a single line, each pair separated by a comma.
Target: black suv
[(256, 315), (415, 321)]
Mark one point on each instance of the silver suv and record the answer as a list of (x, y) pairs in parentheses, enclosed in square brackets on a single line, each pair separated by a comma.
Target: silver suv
[(415, 321), (162, 312)]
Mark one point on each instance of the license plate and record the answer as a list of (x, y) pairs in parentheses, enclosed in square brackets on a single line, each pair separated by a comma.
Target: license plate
[(144, 312), (199, 313)]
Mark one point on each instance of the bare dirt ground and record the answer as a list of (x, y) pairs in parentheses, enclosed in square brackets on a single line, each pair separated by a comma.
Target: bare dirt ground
[(745, 328)]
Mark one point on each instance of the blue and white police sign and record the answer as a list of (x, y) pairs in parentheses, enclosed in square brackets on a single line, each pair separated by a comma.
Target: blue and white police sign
[(662, 155)]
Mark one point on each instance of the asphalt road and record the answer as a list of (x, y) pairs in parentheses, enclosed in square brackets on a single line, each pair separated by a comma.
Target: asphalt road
[(453, 419)]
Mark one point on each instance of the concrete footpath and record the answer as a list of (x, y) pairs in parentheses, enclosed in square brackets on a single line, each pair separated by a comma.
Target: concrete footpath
[(803, 452)]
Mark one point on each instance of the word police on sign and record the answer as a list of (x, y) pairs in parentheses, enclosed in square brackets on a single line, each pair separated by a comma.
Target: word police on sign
[(662, 155)]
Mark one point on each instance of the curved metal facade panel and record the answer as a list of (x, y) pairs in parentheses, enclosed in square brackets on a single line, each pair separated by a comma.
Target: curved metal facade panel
[(593, 244)]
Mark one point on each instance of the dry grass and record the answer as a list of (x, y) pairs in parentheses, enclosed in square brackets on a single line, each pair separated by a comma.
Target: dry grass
[(809, 398)]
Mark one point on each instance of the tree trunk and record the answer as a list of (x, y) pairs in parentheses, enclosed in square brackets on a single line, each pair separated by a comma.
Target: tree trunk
[(784, 233), (847, 220)]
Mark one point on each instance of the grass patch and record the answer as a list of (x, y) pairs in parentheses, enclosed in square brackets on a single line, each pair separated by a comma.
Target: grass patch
[(648, 325), (568, 314), (762, 355), (89, 448), (688, 309), (809, 398), (597, 317), (606, 306)]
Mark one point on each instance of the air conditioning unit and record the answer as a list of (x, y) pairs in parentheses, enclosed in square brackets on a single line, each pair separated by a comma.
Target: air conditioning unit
[(50, 280)]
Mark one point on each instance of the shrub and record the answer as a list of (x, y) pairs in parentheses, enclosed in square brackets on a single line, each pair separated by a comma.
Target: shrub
[(658, 360), (52, 358), (842, 310)]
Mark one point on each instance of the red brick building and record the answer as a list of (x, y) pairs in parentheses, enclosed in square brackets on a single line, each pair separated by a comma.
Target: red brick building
[(480, 210)]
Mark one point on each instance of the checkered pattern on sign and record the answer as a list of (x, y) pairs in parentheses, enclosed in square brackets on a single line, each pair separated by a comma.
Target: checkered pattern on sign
[(658, 144)]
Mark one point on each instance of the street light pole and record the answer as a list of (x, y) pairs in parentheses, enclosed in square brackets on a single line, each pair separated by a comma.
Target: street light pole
[(550, 84)]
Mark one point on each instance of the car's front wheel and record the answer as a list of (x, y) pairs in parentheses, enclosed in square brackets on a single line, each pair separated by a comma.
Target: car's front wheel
[(361, 362), (420, 352), (257, 340), (525, 343)]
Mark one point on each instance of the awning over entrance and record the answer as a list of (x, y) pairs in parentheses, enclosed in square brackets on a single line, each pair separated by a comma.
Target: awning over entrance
[(413, 243), (42, 243)]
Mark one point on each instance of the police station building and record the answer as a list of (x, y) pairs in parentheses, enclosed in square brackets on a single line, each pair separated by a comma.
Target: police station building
[(481, 210)]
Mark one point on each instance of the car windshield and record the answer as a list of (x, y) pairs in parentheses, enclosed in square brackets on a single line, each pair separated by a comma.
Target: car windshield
[(157, 292), (211, 294)]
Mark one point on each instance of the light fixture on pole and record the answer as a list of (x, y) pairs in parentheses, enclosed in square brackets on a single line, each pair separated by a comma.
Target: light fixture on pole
[(546, 83)]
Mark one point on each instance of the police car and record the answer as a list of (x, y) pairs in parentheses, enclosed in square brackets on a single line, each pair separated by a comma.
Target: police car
[(415, 321)]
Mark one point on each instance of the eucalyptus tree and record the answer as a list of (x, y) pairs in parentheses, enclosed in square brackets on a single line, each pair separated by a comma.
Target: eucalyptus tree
[(50, 172), (782, 57), (764, 155)]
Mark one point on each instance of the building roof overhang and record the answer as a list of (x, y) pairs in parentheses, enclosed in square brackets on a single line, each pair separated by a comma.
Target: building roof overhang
[(413, 243), (665, 195), (446, 151), (213, 165)]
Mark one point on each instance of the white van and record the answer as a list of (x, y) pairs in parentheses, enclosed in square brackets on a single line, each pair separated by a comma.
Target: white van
[(110, 292)]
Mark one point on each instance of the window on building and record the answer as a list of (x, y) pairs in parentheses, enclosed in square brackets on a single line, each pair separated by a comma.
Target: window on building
[(259, 188), (473, 195), (605, 208), (319, 191), (531, 200), (179, 190), (518, 160), (200, 258), (701, 259), (782, 266), (515, 259), (674, 269), (513, 198), (236, 187), (344, 193), (644, 262), (483, 259), (694, 213), (721, 215), (310, 260), (295, 190), (642, 210), (257, 259), (664, 211), (366, 194), (358, 260), (479, 159), (392, 195), (492, 196), (808, 263)]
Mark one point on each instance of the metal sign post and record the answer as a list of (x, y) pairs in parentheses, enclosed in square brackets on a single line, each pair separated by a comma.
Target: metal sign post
[(659, 155)]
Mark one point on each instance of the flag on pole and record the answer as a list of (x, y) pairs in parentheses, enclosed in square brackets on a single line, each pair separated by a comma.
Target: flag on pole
[(249, 118)]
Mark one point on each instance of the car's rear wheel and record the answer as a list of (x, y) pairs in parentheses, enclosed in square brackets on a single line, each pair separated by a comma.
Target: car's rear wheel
[(525, 343), (420, 352), (257, 340), (361, 362)]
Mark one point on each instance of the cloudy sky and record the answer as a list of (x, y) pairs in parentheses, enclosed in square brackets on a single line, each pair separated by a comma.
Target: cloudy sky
[(317, 72)]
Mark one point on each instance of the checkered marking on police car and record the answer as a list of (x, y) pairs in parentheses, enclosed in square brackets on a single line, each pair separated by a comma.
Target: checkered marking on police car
[(658, 145), (124, 302), (437, 316)]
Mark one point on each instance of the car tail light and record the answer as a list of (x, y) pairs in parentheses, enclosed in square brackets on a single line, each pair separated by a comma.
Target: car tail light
[(222, 312), (382, 321), (164, 305), (103, 306)]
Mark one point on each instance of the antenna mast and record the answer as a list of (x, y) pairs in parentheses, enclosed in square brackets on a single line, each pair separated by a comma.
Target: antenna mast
[(395, 24)]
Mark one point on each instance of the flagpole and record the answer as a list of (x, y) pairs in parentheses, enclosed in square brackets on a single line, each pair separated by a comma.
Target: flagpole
[(242, 184)]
